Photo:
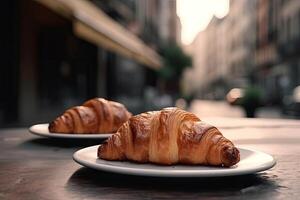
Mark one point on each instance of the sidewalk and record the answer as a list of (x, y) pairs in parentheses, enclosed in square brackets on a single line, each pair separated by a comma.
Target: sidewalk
[(206, 108)]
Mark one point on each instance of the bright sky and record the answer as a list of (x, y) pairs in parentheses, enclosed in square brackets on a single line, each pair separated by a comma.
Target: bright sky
[(196, 14)]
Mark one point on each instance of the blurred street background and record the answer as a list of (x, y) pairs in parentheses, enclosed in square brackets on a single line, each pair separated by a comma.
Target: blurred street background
[(227, 58)]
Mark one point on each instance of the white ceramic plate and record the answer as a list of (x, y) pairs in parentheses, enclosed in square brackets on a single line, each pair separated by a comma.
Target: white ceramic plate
[(251, 162), (42, 130)]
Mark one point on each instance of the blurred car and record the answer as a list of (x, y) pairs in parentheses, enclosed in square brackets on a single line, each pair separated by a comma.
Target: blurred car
[(291, 104), (234, 96)]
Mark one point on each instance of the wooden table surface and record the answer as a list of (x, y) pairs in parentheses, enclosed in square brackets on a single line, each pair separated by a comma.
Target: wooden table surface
[(42, 168)]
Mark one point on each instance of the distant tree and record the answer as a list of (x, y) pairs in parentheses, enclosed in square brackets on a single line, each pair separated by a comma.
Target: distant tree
[(174, 63), (251, 100)]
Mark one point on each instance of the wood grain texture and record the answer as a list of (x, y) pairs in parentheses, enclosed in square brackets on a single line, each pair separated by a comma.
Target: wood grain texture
[(41, 168)]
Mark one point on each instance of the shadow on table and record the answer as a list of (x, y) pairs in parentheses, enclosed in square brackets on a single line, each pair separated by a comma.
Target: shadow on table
[(62, 143), (101, 184)]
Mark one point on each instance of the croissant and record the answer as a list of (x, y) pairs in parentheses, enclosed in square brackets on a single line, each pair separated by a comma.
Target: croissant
[(94, 116), (170, 136)]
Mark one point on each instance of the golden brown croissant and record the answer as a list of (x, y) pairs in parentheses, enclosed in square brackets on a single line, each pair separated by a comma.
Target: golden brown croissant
[(94, 116), (168, 137)]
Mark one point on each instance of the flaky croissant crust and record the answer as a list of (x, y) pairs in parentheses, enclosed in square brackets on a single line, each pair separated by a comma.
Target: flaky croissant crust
[(169, 136), (94, 116)]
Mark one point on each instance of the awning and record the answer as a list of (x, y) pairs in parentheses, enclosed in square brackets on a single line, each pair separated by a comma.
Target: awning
[(93, 25)]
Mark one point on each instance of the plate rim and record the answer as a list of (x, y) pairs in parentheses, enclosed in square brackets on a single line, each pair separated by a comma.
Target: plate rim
[(32, 129), (222, 172)]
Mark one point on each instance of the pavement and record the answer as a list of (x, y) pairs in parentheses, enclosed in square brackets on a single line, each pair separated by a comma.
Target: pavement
[(206, 108)]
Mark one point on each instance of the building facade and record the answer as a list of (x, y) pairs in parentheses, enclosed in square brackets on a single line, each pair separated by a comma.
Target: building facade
[(242, 36), (277, 52), (224, 52), (49, 68), (159, 17), (156, 22), (266, 54), (257, 43)]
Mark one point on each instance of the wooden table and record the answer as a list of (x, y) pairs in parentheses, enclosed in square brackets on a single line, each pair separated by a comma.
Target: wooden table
[(42, 168)]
